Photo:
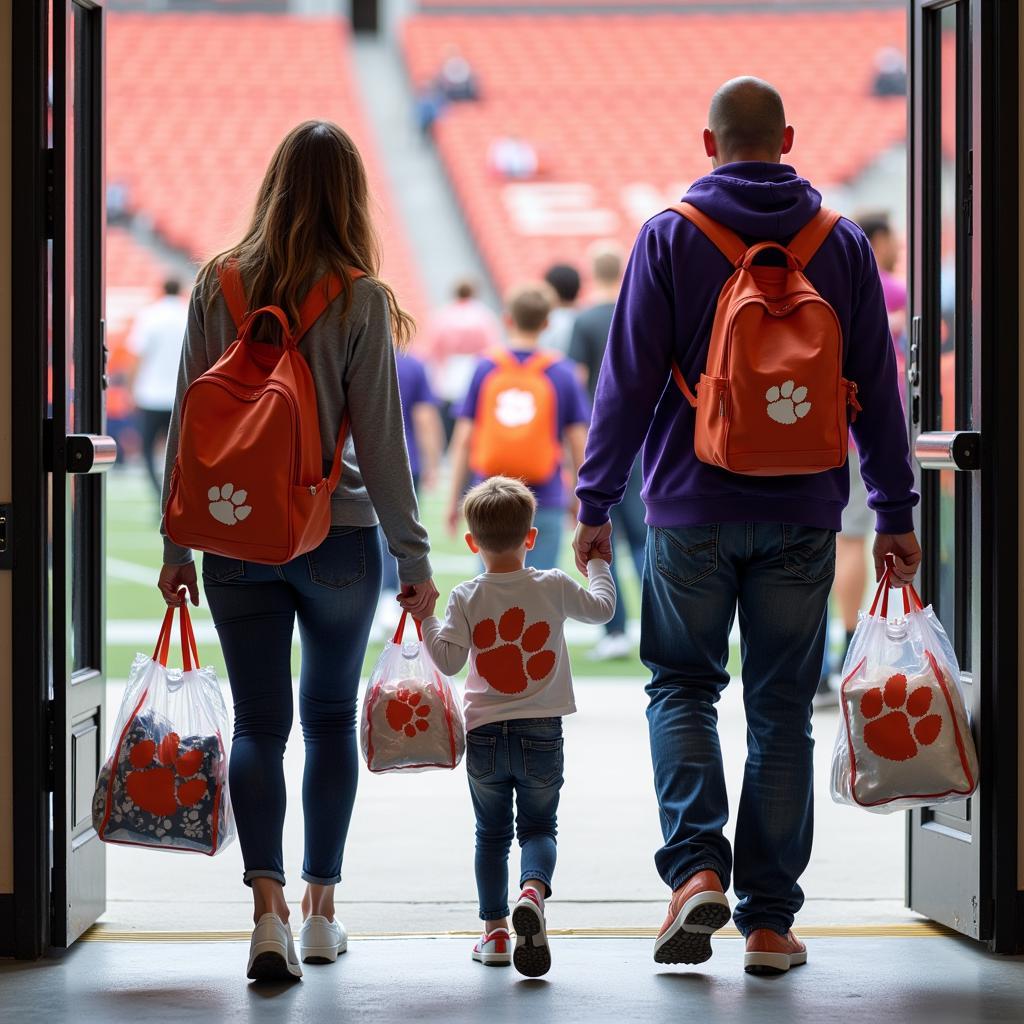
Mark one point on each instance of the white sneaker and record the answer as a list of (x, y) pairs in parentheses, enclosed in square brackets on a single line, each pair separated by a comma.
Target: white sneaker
[(272, 951), (532, 955), (612, 647), (320, 940), (493, 949)]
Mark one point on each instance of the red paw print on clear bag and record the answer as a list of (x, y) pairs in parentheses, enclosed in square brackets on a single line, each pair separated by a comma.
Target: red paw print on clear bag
[(405, 713), (893, 735), (166, 787), (510, 667)]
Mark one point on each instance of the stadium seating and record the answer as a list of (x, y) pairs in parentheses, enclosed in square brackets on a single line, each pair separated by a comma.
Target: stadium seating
[(615, 105), (197, 103)]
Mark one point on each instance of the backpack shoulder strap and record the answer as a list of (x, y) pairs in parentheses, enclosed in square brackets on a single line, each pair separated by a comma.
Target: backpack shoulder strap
[(233, 290), (732, 247), (501, 357), (809, 238), (542, 359), (318, 298)]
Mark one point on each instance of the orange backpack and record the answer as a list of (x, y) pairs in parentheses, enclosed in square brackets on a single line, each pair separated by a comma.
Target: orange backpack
[(772, 400), (248, 480), (516, 426)]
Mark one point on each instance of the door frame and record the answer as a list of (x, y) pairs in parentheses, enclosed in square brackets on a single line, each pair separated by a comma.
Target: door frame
[(996, 205), (31, 175), (993, 318)]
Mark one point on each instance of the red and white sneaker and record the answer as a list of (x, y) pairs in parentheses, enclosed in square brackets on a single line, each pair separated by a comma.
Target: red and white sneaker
[(769, 952), (532, 955), (696, 911), (494, 949)]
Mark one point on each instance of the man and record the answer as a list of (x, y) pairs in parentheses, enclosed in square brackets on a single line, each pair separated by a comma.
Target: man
[(589, 340), (155, 340), (718, 540), (524, 410), (564, 280)]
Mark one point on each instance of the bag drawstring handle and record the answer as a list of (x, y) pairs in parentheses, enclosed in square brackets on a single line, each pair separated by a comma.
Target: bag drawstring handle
[(397, 638), (189, 650), (911, 598)]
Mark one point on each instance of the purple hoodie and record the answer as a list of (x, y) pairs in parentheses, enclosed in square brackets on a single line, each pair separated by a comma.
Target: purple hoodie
[(665, 311)]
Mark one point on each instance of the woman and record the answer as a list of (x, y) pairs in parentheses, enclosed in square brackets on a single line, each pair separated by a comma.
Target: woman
[(311, 217)]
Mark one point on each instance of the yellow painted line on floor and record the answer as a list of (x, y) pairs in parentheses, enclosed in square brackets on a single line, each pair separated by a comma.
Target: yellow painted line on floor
[(908, 930)]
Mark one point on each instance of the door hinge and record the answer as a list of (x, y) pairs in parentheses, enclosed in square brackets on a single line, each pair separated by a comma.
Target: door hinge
[(6, 537), (968, 207), (51, 745), (51, 194)]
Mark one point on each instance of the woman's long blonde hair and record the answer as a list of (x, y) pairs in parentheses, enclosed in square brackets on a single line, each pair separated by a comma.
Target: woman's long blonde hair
[(312, 216)]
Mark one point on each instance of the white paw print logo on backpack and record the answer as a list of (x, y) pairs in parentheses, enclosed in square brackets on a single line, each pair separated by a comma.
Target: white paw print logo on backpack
[(227, 505), (787, 403), (515, 408)]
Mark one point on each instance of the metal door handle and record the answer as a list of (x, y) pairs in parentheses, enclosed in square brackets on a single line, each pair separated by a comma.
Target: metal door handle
[(949, 449), (90, 453)]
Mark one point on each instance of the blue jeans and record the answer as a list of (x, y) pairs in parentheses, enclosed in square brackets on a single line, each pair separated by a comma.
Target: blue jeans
[(520, 758), (549, 538), (779, 577), (333, 592), (628, 525)]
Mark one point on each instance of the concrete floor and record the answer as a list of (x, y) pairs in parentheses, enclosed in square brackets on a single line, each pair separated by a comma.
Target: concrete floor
[(608, 832), (383, 981)]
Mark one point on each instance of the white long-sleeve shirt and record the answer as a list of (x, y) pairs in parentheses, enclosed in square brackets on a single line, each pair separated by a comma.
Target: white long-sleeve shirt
[(510, 627)]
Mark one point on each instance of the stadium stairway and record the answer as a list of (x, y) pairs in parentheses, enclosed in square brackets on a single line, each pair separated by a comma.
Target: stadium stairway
[(442, 246)]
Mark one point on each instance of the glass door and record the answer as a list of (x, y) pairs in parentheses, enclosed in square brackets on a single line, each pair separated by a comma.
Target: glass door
[(960, 409), (81, 453)]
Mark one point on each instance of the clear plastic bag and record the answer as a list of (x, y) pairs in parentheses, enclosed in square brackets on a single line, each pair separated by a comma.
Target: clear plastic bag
[(164, 784), (904, 736), (412, 716)]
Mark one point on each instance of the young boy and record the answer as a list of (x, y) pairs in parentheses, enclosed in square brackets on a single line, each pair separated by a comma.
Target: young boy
[(508, 622), (522, 406)]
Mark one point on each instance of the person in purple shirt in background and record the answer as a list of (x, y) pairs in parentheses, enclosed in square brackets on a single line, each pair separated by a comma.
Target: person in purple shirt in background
[(526, 318), (718, 541), (424, 438)]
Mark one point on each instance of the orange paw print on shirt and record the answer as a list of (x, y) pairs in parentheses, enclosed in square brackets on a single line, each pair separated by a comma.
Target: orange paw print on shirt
[(890, 736), (404, 713), (163, 789), (510, 666)]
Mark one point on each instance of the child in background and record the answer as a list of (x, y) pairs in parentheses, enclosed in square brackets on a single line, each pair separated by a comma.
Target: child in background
[(508, 623), (524, 405)]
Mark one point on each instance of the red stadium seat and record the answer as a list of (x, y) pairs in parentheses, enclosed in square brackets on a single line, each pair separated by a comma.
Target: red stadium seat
[(612, 101), (193, 119)]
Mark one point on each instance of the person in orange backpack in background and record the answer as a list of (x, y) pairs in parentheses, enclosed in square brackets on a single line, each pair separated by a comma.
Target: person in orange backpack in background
[(723, 542), (523, 405), (311, 224)]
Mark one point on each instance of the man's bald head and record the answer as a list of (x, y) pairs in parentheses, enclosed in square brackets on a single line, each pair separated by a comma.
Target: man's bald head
[(747, 121)]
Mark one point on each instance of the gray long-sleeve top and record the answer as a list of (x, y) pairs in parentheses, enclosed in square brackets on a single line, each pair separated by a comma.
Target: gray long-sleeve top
[(353, 366)]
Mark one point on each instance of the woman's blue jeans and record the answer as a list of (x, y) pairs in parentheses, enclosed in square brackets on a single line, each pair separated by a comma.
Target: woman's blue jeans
[(333, 592), (695, 578), (520, 759)]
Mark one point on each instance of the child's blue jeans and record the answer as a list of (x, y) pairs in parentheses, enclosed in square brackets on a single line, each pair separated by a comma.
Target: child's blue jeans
[(521, 758)]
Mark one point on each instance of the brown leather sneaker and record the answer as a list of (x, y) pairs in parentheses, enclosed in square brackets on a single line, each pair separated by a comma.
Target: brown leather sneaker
[(769, 952), (697, 909)]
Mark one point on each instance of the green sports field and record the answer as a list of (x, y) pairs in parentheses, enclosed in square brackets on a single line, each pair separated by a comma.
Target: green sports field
[(134, 607)]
